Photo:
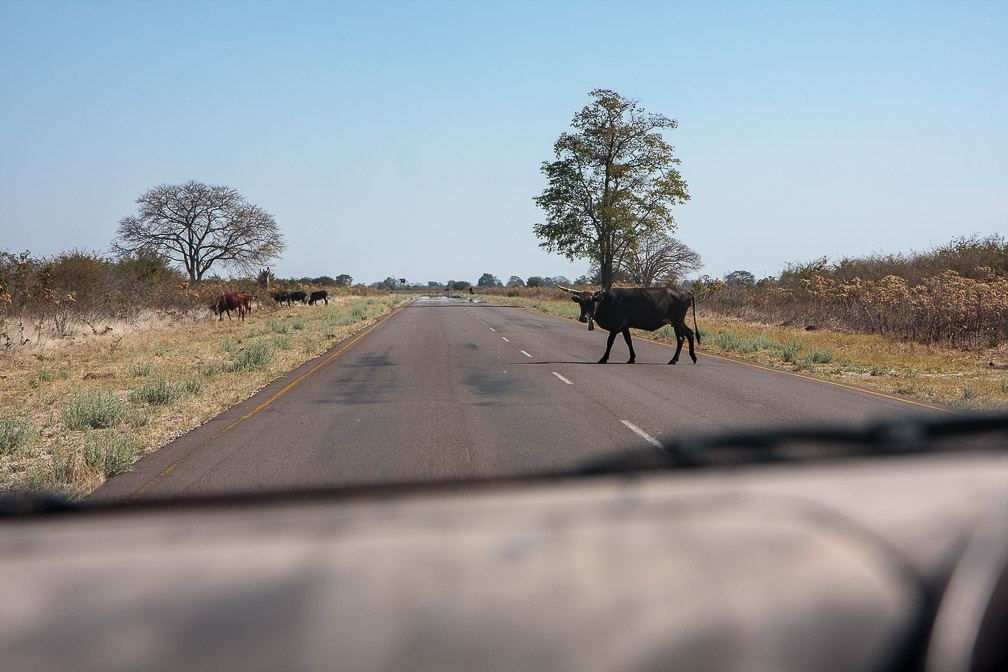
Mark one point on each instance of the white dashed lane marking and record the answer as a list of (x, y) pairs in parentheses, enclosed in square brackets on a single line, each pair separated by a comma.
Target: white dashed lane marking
[(505, 340), (525, 353), (641, 433), (562, 378)]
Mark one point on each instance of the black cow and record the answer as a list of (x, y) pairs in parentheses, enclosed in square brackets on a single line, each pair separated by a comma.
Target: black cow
[(318, 295), (298, 296), (619, 309), (282, 297)]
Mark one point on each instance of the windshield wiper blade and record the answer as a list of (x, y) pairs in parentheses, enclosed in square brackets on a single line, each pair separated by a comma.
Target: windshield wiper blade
[(890, 437)]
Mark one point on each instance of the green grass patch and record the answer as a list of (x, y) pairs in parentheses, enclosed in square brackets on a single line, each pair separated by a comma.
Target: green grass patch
[(276, 326), (789, 350), (208, 369), (255, 356), (821, 355), (156, 390), (140, 369), (16, 435), (93, 409), (44, 375), (109, 453)]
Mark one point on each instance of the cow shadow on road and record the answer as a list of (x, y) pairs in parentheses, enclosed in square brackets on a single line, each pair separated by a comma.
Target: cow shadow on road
[(595, 363)]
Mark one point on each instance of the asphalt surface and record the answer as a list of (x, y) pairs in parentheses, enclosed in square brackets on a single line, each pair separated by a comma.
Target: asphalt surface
[(453, 390)]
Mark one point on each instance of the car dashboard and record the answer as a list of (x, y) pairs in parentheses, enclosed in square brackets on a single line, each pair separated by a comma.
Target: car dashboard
[(853, 565)]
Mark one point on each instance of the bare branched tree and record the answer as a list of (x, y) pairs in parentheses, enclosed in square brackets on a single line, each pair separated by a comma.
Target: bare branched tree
[(661, 258), (198, 226)]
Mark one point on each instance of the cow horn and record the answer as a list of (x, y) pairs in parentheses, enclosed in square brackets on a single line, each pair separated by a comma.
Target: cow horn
[(569, 291)]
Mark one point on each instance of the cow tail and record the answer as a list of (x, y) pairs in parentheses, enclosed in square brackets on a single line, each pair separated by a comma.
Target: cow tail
[(696, 329)]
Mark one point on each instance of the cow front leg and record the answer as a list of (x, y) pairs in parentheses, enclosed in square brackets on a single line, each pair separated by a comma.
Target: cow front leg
[(605, 357), (633, 355)]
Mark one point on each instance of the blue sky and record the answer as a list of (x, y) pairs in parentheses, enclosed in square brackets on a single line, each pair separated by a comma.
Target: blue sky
[(405, 138)]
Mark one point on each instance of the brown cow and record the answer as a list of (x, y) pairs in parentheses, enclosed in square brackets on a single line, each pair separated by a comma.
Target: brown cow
[(246, 301), (227, 303)]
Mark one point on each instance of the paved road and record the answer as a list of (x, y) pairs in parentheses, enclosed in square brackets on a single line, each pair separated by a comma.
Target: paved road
[(448, 389)]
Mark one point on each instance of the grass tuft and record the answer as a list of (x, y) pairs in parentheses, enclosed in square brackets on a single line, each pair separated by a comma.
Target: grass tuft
[(788, 351), (156, 390), (256, 356), (94, 409), (109, 452), (140, 369), (15, 435)]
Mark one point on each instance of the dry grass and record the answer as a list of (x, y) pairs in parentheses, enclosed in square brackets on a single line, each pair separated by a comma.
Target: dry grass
[(89, 401), (929, 373)]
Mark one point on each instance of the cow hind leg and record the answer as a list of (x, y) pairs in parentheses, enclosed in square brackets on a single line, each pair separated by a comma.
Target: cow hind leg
[(629, 344), (689, 335)]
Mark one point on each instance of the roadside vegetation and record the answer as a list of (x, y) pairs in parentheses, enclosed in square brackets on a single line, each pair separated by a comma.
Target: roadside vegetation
[(90, 384), (954, 295)]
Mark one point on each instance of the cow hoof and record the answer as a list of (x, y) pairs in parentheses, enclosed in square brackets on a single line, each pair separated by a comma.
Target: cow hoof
[(672, 361), (694, 358), (603, 360), (631, 361)]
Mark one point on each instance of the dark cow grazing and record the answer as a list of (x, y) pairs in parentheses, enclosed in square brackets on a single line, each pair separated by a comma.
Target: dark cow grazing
[(228, 302), (318, 295), (620, 309), (298, 296), (282, 297), (472, 291)]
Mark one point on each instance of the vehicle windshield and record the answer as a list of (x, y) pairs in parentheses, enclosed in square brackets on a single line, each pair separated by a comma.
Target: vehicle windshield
[(260, 248)]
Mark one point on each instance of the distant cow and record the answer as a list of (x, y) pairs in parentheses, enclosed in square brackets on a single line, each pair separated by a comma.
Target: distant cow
[(246, 301), (318, 295), (228, 302), (282, 297), (298, 296), (619, 309)]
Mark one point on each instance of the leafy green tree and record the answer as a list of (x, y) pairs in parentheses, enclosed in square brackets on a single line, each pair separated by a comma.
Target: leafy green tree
[(614, 181), (344, 280), (515, 281), (536, 281), (740, 279), (488, 280)]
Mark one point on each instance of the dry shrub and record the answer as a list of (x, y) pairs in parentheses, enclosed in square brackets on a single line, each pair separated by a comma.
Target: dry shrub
[(938, 297)]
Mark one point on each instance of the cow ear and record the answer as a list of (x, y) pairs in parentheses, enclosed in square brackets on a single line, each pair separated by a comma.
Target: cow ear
[(575, 298)]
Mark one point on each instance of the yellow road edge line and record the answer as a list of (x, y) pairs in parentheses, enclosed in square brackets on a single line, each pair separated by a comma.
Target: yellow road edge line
[(261, 406), (813, 379)]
